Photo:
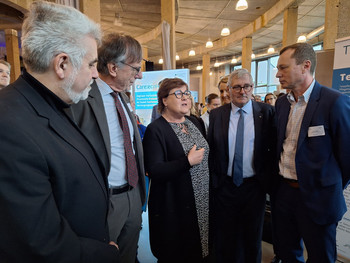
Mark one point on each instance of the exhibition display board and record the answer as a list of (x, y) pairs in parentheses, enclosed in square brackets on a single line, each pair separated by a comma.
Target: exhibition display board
[(341, 82)]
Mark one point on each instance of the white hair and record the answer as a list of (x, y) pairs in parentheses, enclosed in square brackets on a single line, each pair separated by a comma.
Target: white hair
[(50, 29)]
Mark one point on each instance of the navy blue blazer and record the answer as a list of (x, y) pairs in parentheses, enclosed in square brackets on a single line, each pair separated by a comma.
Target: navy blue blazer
[(322, 162), (264, 143)]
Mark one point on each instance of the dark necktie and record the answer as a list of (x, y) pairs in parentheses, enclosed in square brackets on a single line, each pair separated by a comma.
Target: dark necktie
[(237, 171), (131, 166)]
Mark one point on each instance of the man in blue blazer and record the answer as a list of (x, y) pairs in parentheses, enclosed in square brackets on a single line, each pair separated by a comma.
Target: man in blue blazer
[(239, 205), (314, 153)]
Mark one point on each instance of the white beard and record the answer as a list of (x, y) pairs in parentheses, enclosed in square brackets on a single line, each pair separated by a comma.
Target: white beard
[(74, 96)]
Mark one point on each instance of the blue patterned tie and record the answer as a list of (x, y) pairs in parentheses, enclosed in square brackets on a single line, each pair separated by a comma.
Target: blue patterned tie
[(237, 167)]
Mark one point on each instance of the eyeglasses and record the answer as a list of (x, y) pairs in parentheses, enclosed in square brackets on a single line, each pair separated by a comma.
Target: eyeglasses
[(137, 69), (245, 87), (179, 94)]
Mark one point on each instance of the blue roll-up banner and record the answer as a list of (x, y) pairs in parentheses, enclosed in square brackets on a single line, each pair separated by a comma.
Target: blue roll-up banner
[(341, 82)]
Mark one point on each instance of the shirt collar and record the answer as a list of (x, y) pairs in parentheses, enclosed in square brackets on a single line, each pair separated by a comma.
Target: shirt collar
[(305, 96), (247, 108), (103, 87)]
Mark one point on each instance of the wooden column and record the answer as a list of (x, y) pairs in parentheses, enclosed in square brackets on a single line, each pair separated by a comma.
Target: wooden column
[(12, 51), (145, 56), (205, 78), (91, 8), (343, 21), (247, 53), (168, 15), (290, 23), (331, 24), (336, 22)]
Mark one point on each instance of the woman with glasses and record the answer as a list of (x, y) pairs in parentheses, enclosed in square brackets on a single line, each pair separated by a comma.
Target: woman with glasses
[(176, 160)]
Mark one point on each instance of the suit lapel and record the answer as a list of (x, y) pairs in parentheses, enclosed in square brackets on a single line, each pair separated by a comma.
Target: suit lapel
[(309, 111), (282, 113), (225, 120), (66, 129), (258, 121), (96, 104)]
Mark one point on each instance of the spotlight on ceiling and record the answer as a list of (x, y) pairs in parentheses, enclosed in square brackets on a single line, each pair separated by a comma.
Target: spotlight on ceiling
[(241, 5), (301, 39), (271, 50), (225, 31), (209, 44), (234, 61)]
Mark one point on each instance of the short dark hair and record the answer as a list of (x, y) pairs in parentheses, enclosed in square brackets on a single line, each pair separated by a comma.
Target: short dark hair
[(118, 48), (165, 87), (302, 52), (210, 97)]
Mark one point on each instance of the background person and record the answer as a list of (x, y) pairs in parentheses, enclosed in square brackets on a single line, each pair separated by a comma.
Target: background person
[(5, 70), (53, 192), (241, 140), (176, 159), (213, 102), (270, 98), (224, 94), (106, 120), (313, 150)]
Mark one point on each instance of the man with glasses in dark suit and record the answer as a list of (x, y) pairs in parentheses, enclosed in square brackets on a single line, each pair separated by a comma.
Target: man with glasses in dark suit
[(107, 120), (241, 140)]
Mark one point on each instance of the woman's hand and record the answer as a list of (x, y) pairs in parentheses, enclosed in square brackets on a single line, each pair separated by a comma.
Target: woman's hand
[(195, 156)]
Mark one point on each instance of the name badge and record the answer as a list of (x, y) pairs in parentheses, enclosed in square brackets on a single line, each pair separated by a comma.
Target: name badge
[(316, 131)]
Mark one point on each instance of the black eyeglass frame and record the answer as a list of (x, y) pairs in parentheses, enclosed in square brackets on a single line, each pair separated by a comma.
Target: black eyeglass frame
[(245, 87), (177, 93), (137, 69)]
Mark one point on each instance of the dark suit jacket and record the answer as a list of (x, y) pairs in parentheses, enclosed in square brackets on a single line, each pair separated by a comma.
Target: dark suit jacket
[(171, 207), (264, 144), (53, 193), (90, 116), (322, 162)]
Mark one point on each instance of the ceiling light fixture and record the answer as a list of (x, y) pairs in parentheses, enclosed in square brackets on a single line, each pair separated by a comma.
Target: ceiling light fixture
[(253, 56), (301, 39), (225, 31), (199, 67), (192, 52), (177, 57), (160, 61), (209, 43), (210, 73), (271, 50), (241, 5), (234, 61), (216, 64)]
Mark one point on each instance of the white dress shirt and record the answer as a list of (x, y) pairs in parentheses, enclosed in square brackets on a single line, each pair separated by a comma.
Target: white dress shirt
[(117, 174), (296, 115)]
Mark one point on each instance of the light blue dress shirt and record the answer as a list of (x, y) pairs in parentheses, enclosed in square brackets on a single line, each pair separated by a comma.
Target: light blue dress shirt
[(249, 136), (117, 174)]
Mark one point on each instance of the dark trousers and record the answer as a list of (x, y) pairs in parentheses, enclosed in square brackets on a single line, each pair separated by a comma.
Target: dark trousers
[(238, 215), (293, 225)]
